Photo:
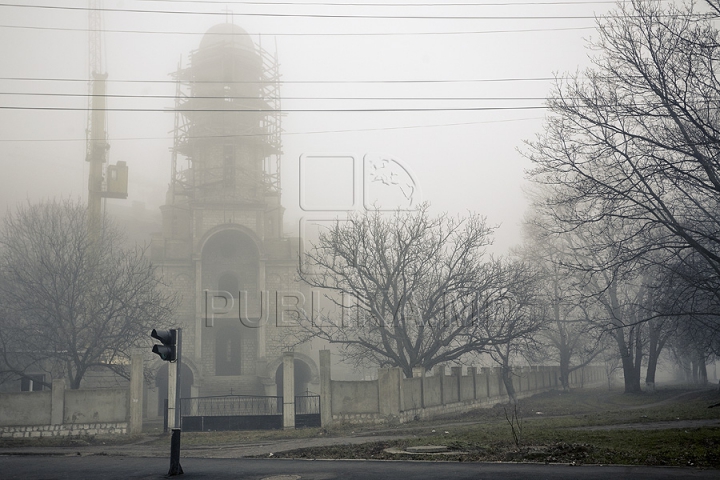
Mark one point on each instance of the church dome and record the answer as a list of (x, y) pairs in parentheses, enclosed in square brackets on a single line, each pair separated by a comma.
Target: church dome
[(227, 35)]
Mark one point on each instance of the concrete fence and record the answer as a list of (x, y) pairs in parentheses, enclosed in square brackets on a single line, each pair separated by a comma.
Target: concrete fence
[(393, 398), (62, 412)]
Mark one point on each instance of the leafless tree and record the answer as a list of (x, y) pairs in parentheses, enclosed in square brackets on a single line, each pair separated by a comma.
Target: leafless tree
[(636, 137), (632, 147), (571, 337), (611, 283), (515, 317), (72, 301), (408, 289)]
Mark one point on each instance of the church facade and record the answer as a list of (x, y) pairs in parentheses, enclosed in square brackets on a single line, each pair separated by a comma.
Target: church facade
[(222, 246)]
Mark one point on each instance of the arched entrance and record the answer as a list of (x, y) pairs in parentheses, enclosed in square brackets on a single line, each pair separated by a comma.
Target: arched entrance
[(303, 376), (161, 382), (230, 264)]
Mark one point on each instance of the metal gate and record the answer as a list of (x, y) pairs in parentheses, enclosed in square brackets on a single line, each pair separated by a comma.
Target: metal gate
[(307, 411), (231, 412)]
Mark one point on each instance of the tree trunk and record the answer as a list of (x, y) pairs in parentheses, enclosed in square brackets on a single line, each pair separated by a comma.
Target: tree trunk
[(702, 367), (637, 374), (507, 381), (632, 384), (75, 383), (630, 373), (650, 375), (565, 371), (686, 367), (654, 349), (699, 367)]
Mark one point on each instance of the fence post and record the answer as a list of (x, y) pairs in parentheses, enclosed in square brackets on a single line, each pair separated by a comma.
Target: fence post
[(57, 406), (325, 389), (457, 373), (288, 390), (136, 393), (419, 372), (473, 371), (487, 373), (389, 387), (440, 372)]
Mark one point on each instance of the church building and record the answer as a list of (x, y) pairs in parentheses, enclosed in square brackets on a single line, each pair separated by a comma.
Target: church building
[(222, 247)]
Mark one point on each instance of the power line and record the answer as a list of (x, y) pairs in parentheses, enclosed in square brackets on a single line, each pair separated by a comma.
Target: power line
[(287, 82), (281, 110), (315, 132), (332, 16), (174, 97), (394, 5), (310, 34)]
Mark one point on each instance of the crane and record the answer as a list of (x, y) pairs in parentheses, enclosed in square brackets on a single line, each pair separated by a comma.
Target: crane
[(97, 144)]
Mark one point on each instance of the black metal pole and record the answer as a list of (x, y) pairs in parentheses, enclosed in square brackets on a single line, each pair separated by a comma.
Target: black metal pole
[(175, 468)]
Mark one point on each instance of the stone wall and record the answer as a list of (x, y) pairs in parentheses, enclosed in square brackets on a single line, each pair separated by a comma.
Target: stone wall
[(107, 405), (356, 398), (61, 412), (64, 430), (25, 408), (393, 398)]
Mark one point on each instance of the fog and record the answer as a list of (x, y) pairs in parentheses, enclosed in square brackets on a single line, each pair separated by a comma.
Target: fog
[(461, 160)]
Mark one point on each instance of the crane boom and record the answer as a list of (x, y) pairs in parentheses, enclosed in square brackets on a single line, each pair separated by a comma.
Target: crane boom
[(96, 143)]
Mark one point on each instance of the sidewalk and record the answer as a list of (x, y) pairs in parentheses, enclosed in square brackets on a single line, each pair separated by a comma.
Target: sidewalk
[(141, 449)]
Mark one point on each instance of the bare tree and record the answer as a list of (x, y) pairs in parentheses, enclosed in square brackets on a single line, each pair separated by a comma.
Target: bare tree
[(516, 319), (408, 289), (611, 283), (70, 301), (636, 137), (572, 338)]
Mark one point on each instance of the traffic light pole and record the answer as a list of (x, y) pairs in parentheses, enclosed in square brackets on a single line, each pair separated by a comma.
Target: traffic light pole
[(175, 468), (171, 351)]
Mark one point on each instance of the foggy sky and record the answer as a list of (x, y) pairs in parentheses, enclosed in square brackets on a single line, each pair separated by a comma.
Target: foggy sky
[(473, 166)]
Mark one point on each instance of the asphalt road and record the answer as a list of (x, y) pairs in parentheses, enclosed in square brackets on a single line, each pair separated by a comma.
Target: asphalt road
[(109, 467)]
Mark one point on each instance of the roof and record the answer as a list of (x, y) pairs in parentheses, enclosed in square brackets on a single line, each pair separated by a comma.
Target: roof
[(227, 35)]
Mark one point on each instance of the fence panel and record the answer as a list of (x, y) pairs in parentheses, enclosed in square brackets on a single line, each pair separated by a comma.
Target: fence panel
[(307, 411), (231, 412)]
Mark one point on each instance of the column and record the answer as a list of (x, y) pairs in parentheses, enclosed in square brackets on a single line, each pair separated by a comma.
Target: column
[(389, 390), (136, 393), (325, 389), (288, 390), (57, 406)]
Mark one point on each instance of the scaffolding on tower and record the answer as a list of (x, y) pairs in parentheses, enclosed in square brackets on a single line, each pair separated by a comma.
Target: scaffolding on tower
[(192, 124)]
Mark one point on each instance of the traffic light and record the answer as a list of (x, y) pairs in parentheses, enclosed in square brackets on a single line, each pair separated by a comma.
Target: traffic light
[(168, 350)]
